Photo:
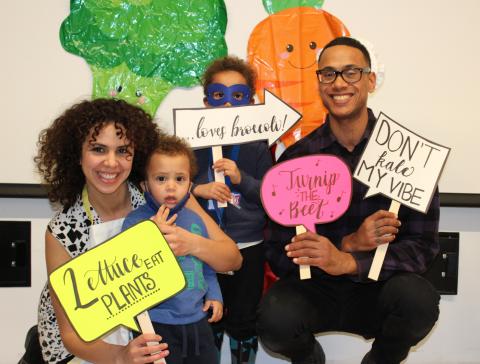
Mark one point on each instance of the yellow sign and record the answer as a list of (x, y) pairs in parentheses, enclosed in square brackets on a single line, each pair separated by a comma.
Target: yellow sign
[(110, 284)]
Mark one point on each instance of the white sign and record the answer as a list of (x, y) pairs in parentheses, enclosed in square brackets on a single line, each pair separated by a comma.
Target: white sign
[(401, 165), (206, 127)]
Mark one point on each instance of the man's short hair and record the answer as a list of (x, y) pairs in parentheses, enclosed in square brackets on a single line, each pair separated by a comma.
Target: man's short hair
[(349, 42)]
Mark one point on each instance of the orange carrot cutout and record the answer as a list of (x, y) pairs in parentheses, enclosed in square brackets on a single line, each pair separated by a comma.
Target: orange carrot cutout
[(283, 49)]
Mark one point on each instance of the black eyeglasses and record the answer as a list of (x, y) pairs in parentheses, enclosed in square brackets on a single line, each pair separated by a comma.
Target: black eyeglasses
[(349, 75)]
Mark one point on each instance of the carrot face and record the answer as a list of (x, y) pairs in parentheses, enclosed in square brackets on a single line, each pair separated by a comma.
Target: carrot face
[(284, 49)]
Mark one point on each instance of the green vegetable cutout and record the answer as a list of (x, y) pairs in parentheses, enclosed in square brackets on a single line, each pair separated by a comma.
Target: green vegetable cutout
[(139, 50)]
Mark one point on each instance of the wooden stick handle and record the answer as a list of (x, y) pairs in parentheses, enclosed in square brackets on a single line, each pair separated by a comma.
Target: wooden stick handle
[(305, 272), (147, 328), (381, 250), (219, 176)]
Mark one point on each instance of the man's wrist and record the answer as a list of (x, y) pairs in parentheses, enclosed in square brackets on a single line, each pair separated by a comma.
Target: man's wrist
[(350, 266), (347, 245)]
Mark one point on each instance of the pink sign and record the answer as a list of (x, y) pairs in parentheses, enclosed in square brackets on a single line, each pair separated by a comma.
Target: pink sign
[(306, 191)]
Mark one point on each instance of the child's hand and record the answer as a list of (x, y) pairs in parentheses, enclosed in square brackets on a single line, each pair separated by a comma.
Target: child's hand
[(213, 191), (230, 169), (217, 310), (161, 217)]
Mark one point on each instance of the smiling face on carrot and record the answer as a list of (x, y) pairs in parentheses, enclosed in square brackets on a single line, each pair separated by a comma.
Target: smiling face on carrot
[(284, 49)]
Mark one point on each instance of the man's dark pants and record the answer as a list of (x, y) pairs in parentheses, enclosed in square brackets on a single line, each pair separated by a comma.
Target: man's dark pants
[(398, 313)]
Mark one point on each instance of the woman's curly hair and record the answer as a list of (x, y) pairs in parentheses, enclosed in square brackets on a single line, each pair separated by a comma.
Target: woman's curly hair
[(60, 145)]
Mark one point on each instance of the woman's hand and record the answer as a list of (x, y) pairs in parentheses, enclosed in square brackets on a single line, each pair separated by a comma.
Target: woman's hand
[(219, 251), (181, 241), (145, 348)]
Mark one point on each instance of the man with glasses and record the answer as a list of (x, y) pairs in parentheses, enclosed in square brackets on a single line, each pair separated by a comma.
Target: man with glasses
[(400, 308)]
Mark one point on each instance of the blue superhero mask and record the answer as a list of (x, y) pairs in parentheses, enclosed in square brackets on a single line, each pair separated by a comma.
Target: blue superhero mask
[(219, 95)]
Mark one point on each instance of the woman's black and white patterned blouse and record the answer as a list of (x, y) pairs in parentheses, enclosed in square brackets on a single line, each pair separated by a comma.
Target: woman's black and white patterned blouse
[(71, 227)]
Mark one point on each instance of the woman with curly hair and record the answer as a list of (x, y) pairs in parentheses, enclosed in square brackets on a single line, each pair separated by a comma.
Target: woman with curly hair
[(92, 160)]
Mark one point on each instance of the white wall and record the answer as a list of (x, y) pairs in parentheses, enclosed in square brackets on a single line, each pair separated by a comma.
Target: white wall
[(453, 339), (429, 50), (18, 305), (427, 47)]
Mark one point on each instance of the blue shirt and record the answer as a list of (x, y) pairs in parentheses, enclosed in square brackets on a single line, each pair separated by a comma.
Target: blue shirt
[(187, 306), (247, 223)]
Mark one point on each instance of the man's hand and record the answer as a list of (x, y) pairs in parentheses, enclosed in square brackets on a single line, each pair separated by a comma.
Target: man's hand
[(229, 168), (213, 191), (316, 250), (379, 228)]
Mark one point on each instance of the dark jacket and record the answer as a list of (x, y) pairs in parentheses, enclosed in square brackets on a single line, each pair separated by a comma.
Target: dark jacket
[(244, 224)]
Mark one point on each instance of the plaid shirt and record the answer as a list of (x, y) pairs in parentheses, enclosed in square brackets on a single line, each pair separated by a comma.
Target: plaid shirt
[(415, 246)]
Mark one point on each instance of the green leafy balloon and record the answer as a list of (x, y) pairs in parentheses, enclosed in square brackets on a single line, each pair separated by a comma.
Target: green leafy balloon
[(145, 44), (121, 83), (274, 6)]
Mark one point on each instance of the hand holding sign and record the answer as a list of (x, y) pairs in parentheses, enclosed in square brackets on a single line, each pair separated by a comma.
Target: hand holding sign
[(217, 154), (214, 127), (110, 284), (401, 165), (306, 191)]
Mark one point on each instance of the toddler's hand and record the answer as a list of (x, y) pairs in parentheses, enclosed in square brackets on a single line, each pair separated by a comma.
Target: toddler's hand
[(161, 217), (217, 310)]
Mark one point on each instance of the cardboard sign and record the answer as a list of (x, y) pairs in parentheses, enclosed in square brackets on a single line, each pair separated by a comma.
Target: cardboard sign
[(401, 165), (110, 284), (206, 127), (306, 191)]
